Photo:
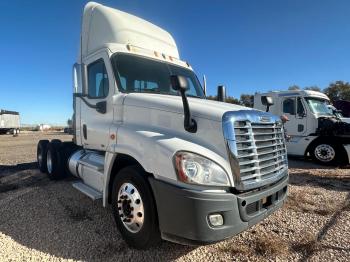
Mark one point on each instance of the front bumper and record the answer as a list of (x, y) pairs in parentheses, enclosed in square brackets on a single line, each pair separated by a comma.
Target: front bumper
[(183, 213)]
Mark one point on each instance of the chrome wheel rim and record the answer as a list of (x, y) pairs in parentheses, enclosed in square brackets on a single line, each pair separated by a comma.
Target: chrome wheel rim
[(130, 207), (325, 153), (49, 162)]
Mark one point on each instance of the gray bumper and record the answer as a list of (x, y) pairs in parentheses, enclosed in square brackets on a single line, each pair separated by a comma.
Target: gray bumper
[(183, 214)]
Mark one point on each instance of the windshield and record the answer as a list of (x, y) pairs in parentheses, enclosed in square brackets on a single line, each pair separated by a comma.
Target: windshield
[(135, 74), (318, 106)]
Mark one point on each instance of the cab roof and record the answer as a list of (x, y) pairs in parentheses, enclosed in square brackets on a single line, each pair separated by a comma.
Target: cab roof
[(304, 93), (103, 25)]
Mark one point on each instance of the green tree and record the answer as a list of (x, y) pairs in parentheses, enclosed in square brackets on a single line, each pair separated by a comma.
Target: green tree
[(247, 100), (232, 100), (313, 88), (229, 99), (294, 87), (338, 90)]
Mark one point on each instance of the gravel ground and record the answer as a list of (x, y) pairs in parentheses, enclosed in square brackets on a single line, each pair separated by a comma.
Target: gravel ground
[(42, 220)]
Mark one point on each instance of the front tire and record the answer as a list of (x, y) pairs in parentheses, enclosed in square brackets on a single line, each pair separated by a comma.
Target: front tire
[(326, 153), (134, 208)]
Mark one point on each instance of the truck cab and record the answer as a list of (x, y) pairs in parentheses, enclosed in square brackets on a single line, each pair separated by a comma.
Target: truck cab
[(172, 164), (313, 127)]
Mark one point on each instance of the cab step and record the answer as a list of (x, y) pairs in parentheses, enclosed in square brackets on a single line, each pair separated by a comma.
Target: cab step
[(87, 190)]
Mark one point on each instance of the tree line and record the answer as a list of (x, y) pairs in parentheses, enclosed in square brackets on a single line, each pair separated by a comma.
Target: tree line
[(338, 90)]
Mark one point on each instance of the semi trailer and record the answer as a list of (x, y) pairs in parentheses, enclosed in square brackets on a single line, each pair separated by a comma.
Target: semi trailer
[(172, 164), (314, 129), (9, 122)]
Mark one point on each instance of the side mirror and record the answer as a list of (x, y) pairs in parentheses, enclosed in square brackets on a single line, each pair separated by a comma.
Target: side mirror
[(179, 83), (267, 101), (77, 79), (205, 85), (84, 77), (221, 93), (101, 107)]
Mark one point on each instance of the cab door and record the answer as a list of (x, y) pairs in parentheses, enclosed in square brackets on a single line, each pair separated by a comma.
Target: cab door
[(96, 110), (294, 109)]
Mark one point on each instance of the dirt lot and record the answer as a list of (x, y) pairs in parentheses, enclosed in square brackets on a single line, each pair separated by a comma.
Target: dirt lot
[(51, 221)]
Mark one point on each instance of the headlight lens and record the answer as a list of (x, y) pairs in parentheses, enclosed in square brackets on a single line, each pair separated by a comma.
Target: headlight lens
[(195, 169)]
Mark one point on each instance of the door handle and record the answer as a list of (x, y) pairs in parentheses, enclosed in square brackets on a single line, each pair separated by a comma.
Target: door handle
[(85, 131)]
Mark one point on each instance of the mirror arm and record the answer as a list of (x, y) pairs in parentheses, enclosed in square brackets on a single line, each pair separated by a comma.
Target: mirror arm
[(96, 106), (189, 123)]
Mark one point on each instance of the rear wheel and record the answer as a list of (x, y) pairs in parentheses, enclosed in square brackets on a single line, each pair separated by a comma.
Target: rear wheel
[(134, 208), (41, 153), (54, 163)]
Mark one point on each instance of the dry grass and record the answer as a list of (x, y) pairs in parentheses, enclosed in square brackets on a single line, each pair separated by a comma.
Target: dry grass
[(303, 201), (271, 245), (264, 244), (307, 244), (234, 249)]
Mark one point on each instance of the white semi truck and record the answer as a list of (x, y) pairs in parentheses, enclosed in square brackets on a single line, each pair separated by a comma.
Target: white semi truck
[(9, 122), (172, 164), (314, 129)]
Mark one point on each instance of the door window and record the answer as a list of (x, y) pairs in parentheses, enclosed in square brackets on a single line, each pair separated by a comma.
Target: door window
[(300, 108), (98, 85), (289, 106)]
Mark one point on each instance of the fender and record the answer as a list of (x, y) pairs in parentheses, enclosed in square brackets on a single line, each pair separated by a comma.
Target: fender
[(154, 151), (347, 149)]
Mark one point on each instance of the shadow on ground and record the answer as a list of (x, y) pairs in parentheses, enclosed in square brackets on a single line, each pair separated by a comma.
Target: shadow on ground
[(305, 163), (54, 218), (328, 181)]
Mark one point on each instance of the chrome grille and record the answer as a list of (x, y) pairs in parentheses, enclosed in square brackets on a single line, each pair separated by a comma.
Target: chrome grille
[(261, 150)]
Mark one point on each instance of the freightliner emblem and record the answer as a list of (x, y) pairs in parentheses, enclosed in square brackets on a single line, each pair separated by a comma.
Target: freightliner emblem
[(265, 119)]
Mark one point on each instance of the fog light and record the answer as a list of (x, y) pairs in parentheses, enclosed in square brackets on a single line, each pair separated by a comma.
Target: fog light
[(216, 220)]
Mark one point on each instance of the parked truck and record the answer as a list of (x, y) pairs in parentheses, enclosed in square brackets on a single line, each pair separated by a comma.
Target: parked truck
[(9, 122), (314, 129), (172, 164)]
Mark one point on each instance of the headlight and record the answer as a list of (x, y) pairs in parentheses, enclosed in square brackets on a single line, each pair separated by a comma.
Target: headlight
[(195, 169)]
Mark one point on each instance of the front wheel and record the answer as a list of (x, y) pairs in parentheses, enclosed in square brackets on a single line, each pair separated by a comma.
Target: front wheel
[(326, 153), (134, 208)]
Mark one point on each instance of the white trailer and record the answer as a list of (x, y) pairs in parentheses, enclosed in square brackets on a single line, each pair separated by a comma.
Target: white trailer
[(314, 129), (9, 122), (172, 164)]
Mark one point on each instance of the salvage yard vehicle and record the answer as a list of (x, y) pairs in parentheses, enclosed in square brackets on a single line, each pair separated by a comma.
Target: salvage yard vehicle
[(314, 129), (9, 122), (172, 164)]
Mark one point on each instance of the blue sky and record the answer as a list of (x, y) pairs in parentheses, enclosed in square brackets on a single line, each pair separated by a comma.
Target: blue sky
[(246, 45)]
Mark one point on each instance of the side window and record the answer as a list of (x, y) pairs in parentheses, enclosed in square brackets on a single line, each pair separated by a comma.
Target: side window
[(146, 86), (300, 107), (98, 85), (289, 106)]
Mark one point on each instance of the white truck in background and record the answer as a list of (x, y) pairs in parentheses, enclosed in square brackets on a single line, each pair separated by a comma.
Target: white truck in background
[(314, 129), (172, 164), (9, 122)]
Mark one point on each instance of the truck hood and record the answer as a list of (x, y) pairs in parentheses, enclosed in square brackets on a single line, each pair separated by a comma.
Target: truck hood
[(345, 119), (202, 108)]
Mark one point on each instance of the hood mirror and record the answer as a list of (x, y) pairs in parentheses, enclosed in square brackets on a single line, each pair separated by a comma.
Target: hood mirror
[(179, 83), (267, 101)]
